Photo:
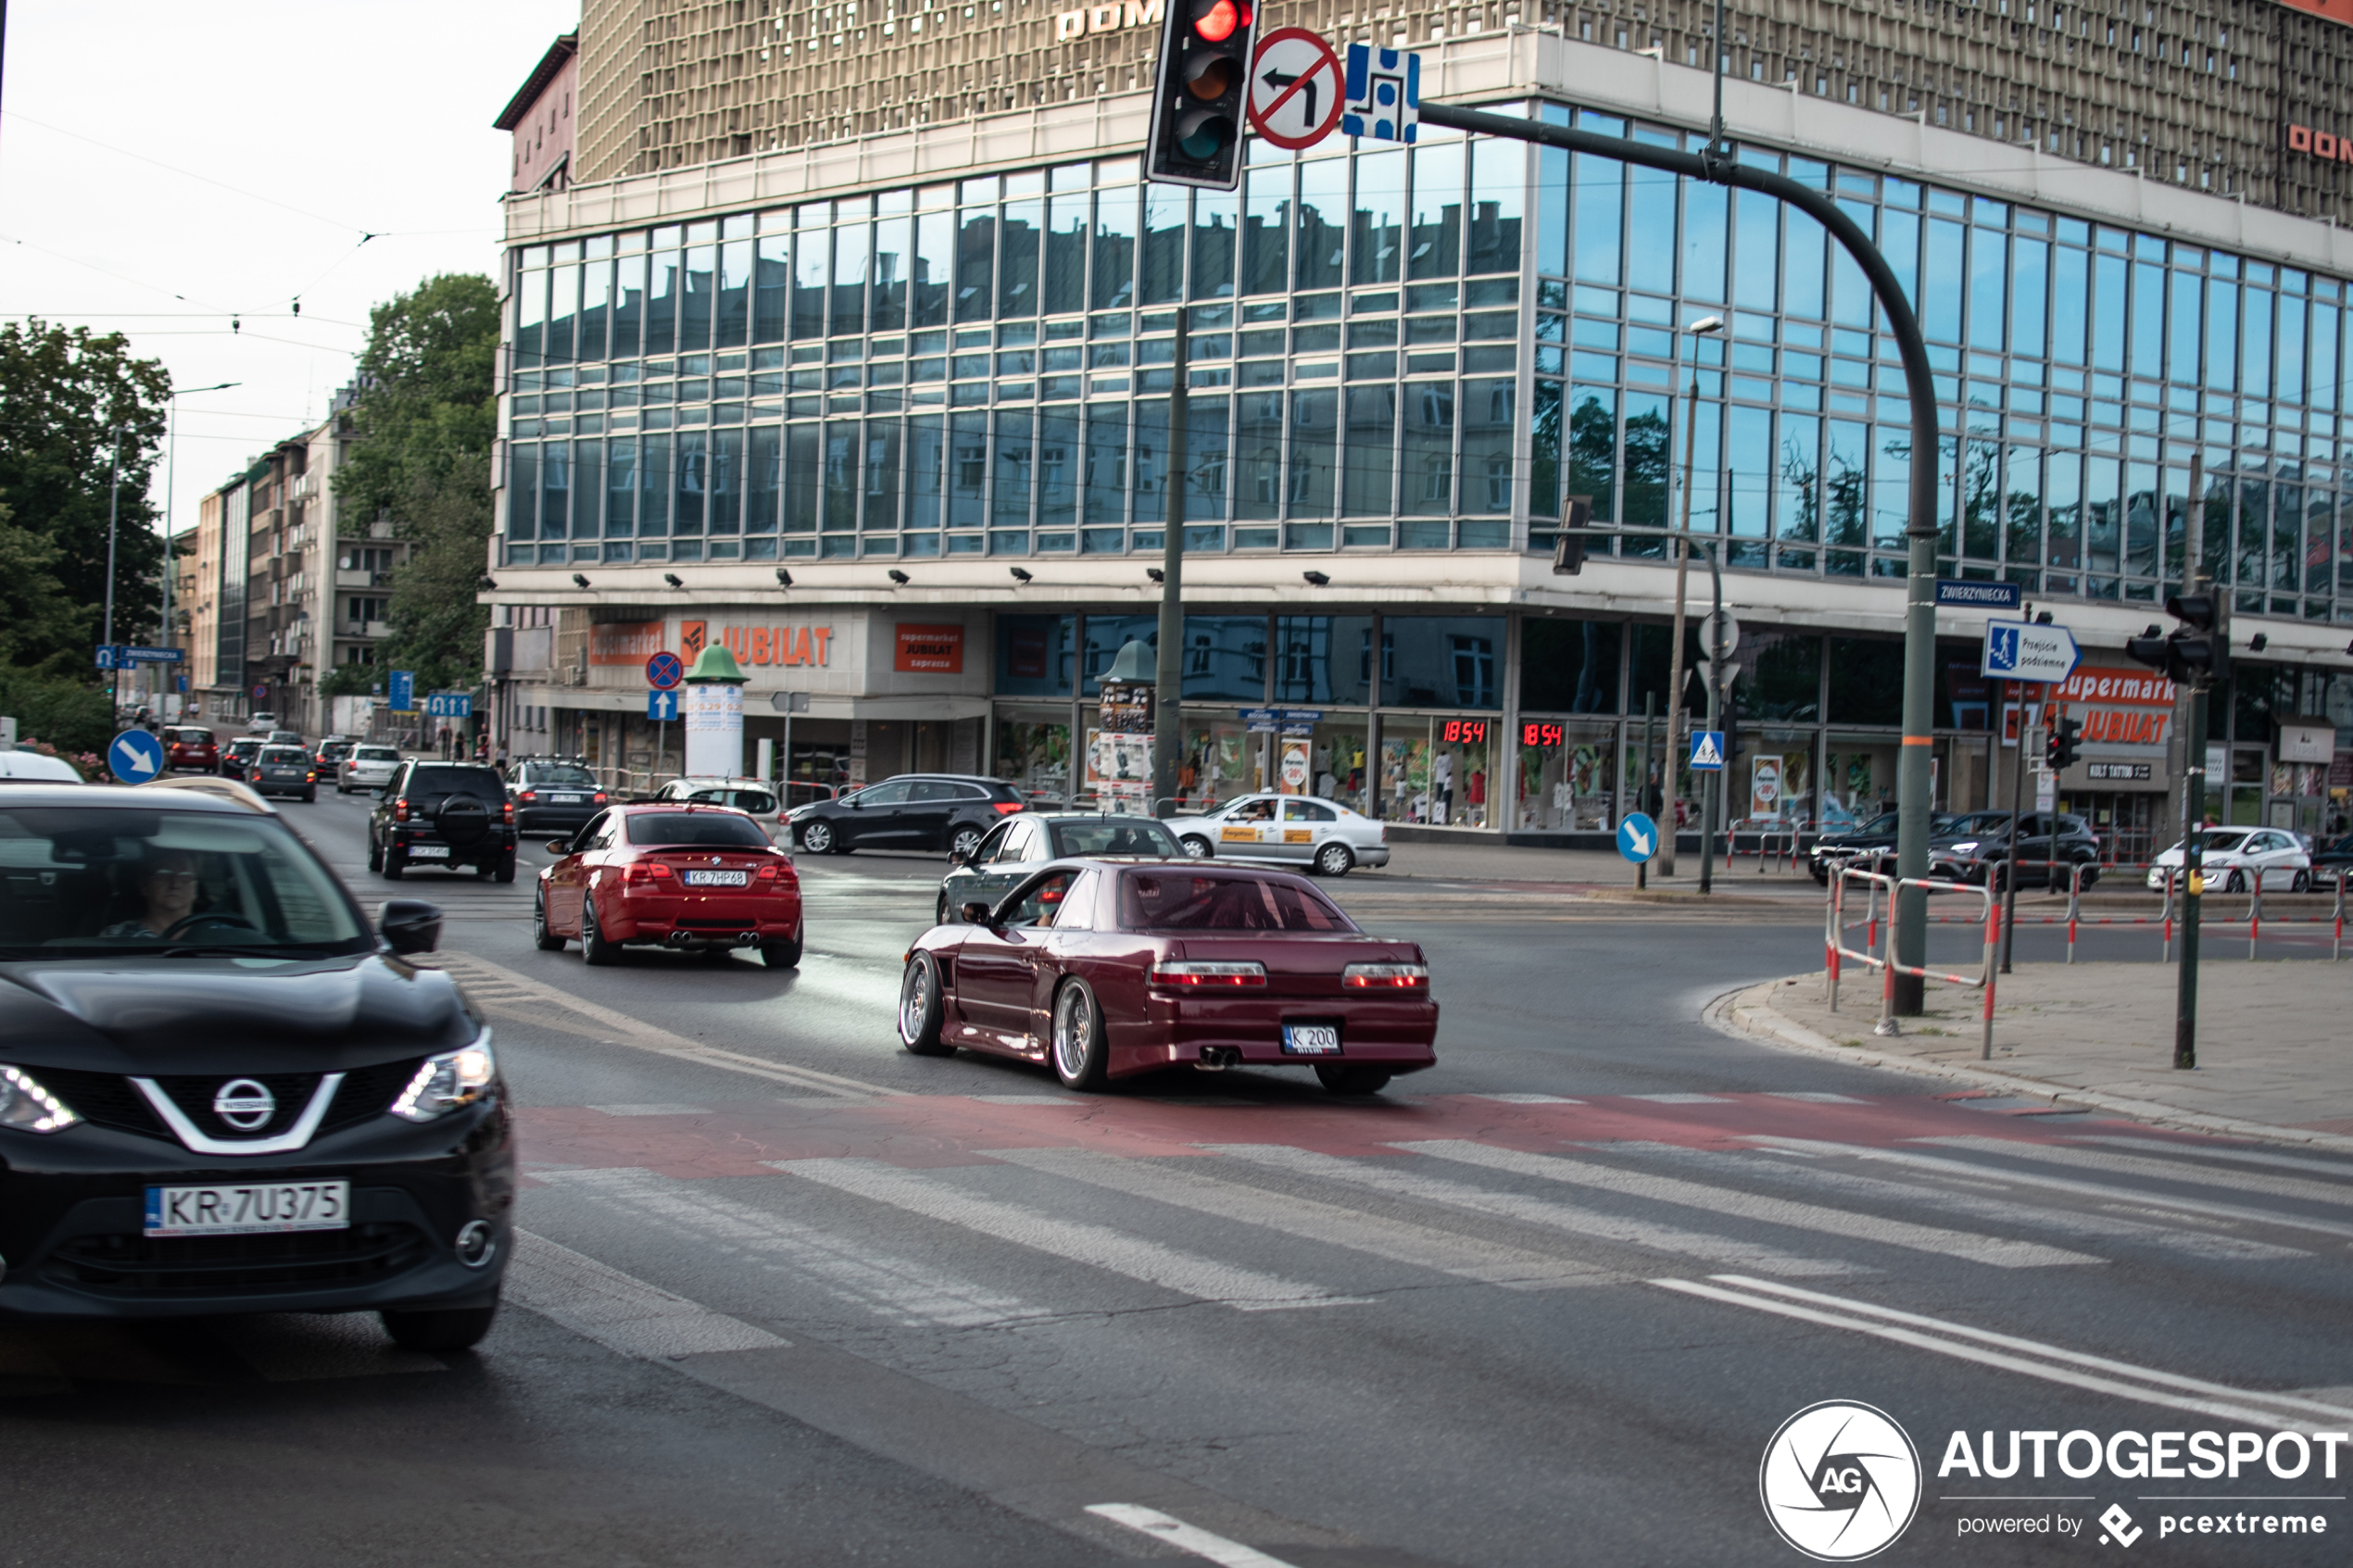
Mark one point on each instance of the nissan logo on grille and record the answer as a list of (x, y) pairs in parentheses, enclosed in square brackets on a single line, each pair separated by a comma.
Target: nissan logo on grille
[(245, 1105)]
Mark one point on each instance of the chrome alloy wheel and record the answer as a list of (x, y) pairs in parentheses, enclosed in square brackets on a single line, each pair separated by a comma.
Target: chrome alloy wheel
[(914, 1000), (1073, 1033)]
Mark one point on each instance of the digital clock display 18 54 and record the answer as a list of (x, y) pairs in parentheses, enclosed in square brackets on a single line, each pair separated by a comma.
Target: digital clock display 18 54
[(1463, 732), (1533, 734)]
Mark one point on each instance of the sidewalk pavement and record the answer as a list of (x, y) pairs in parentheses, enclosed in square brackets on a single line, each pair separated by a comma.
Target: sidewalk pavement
[(1484, 860), (2275, 1059)]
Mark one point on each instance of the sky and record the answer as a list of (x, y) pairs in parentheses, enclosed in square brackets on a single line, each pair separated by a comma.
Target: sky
[(167, 170)]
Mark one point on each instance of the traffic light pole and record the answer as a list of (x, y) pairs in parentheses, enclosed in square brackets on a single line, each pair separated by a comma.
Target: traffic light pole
[(2192, 790), (1168, 682), (1912, 776)]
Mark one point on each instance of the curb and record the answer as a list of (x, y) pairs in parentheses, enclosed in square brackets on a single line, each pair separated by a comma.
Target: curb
[(1748, 1014)]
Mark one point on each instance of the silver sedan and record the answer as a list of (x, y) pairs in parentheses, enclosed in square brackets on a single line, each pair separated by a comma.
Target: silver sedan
[(1299, 830)]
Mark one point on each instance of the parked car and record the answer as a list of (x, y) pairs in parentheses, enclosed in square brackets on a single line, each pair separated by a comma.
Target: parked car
[(367, 767), (1975, 845), (2333, 859), (1294, 829), (447, 814), (237, 756), (261, 724), (755, 797), (188, 745), (933, 811), (1204, 966), (226, 1092), (2233, 859), (283, 769), (1019, 845), (692, 877), (550, 795), (1839, 846)]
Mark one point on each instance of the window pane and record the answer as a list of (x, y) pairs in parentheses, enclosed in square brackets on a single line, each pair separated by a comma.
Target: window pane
[(1018, 259), (555, 489), (1214, 221), (772, 279), (1375, 238), (1801, 280), (522, 492), (661, 302), (853, 243), (531, 316), (1151, 460), (1846, 468), (1499, 201), (1900, 242), (926, 452), (734, 293), (801, 476), (1601, 201), (2221, 334), (563, 300), (621, 488), (2148, 320), (1648, 447), (1106, 477), (1164, 220), (927, 271), (1266, 229), (1258, 455), (886, 296), (2324, 374), (1205, 460), (812, 266), (1314, 426), (2029, 283), (653, 488), (1891, 486), (1756, 273), (880, 479), (1010, 508), (2022, 508), (2291, 350), (1323, 207), (1704, 240), (587, 488), (1367, 448), (1748, 476), (1058, 465), (967, 470), (1569, 666), (1114, 275), (762, 480), (2063, 490), (1437, 242), (1989, 276), (595, 291), (1939, 299), (695, 304), (976, 261), (841, 476), (1488, 431), (1798, 487), (2255, 349), (2108, 313), (628, 304), (1544, 456), (2071, 305), (726, 471), (1552, 209), (1981, 501), (1065, 286)]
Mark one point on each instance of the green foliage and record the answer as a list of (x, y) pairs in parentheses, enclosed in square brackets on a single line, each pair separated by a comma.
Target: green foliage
[(427, 417), (69, 714), (64, 395), (351, 680)]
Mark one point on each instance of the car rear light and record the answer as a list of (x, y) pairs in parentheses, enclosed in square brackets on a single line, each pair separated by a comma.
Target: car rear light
[(598, 799), (311, 777), (1006, 807), (1198, 973), (401, 809), (772, 875), (505, 810), (647, 871), (1384, 976), (528, 796), (254, 777)]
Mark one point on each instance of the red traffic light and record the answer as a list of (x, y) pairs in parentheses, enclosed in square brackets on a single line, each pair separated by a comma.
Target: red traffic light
[(1217, 20)]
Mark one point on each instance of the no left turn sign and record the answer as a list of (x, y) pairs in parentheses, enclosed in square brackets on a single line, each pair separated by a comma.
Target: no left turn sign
[(1295, 88)]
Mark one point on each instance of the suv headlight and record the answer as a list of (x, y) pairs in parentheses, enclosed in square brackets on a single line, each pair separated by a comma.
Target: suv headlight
[(448, 1082), (28, 1107)]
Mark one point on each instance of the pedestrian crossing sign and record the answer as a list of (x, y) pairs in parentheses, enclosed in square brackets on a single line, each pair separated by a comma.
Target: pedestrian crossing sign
[(1707, 751)]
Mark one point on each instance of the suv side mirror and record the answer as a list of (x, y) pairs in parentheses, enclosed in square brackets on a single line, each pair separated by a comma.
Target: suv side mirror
[(560, 846), (409, 925), (958, 857)]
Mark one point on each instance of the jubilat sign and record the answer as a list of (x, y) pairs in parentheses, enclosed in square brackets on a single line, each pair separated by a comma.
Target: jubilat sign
[(2117, 706), (778, 645)]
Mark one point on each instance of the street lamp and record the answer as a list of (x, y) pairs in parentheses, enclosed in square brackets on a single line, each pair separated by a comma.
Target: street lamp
[(1706, 326)]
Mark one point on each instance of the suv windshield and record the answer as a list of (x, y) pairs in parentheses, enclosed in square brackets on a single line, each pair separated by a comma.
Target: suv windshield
[(1116, 836), (435, 778), (291, 756), (757, 802), (558, 773), (84, 882), (1204, 901), (692, 829)]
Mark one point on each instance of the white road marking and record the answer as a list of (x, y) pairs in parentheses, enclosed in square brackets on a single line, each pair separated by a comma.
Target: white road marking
[(1026, 1100), (1185, 1537), (2163, 1170), (1998, 1252), (655, 1110), (1097, 1246), (1529, 1100), (2314, 1163), (618, 1311), (851, 1270), (2055, 1363), (1818, 1096), (1682, 1100), (1182, 1182), (2134, 1196), (1550, 1213)]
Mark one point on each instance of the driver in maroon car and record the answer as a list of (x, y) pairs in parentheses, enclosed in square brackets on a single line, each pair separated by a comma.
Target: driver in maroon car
[(169, 885)]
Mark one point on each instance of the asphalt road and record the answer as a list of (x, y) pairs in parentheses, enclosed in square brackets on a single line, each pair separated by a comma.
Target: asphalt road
[(788, 1295)]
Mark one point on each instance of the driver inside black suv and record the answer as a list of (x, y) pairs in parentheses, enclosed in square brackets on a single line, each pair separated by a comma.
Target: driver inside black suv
[(169, 885)]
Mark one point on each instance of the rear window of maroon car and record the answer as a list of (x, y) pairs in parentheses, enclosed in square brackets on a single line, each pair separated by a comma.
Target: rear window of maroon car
[(689, 830), (1200, 901)]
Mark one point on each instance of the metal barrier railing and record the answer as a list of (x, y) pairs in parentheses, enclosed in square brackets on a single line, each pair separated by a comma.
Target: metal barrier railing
[(1882, 934), (1772, 846)]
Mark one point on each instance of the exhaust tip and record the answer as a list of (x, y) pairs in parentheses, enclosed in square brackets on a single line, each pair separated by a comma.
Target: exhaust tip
[(475, 1244)]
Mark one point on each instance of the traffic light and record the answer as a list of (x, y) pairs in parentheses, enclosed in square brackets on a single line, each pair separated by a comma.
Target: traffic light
[(2198, 650), (1568, 546), (2060, 749), (1202, 79)]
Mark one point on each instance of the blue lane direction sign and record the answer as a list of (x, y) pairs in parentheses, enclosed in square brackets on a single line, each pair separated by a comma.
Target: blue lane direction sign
[(136, 757), (109, 656), (2021, 650), (1637, 837), (1707, 751), (450, 705), (401, 691), (1953, 593), (665, 670), (661, 707)]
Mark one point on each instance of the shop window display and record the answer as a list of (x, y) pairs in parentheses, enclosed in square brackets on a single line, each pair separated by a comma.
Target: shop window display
[(1439, 776), (1567, 776), (1032, 753)]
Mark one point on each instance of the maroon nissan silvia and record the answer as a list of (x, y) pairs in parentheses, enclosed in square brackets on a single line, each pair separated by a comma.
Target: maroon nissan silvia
[(1105, 969)]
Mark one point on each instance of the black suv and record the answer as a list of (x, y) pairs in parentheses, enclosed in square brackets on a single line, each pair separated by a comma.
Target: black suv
[(1860, 842), (1975, 845), (443, 814), (950, 811)]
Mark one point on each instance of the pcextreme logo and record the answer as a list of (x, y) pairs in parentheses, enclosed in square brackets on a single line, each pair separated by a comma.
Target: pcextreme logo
[(1840, 1481)]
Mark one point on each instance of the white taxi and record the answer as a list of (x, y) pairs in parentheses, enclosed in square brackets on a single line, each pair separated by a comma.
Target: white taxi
[(1302, 831)]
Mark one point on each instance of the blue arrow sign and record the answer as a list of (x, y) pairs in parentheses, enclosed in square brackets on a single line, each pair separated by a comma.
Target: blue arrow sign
[(110, 655), (663, 672), (2021, 650), (450, 705), (136, 757), (1707, 751), (402, 697), (661, 707), (1637, 837)]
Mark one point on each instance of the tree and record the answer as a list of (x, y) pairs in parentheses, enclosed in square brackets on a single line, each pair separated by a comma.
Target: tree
[(41, 627), (425, 419), (69, 399)]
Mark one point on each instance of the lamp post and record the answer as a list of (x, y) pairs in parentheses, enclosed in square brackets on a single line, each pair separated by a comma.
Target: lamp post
[(1706, 326)]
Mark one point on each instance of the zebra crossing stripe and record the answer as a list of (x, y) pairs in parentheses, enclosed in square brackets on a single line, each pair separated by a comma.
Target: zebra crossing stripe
[(1185, 1537)]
